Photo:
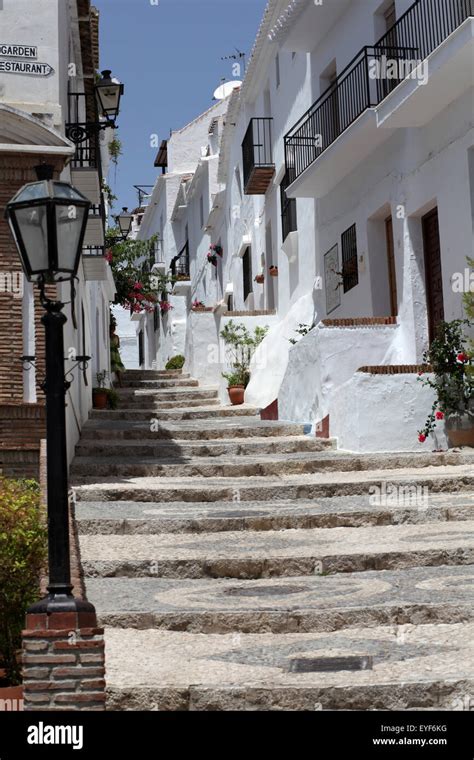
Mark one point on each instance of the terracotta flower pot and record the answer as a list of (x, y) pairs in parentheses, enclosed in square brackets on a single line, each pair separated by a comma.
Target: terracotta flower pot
[(460, 430), (273, 271), (236, 394), (100, 399), (260, 279)]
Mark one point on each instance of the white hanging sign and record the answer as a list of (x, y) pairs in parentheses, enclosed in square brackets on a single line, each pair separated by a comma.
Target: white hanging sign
[(30, 68), (18, 51), (26, 62)]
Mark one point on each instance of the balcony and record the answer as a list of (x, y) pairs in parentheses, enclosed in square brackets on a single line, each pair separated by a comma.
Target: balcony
[(81, 129), (257, 157), (180, 269), (350, 111)]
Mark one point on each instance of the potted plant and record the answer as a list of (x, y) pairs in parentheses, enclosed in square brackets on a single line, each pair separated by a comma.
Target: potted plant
[(260, 278), (112, 398), (212, 258), (451, 364), (198, 305), (241, 346), (273, 271), (165, 307), (99, 393), (236, 384)]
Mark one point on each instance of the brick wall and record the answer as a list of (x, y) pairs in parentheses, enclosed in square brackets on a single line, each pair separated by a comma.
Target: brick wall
[(21, 425), (63, 665), (15, 171)]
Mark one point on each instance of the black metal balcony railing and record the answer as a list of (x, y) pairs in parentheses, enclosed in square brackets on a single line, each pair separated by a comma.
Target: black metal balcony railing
[(180, 264), (94, 250), (257, 155), (416, 34), (83, 132)]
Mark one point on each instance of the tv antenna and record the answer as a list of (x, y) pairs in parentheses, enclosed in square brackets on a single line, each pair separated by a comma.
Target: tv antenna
[(237, 56)]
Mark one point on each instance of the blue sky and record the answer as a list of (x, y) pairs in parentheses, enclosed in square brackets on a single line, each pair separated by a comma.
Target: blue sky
[(168, 56)]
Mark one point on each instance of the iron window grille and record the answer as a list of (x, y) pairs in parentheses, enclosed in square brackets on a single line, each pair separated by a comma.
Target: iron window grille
[(350, 271), (289, 220), (247, 272)]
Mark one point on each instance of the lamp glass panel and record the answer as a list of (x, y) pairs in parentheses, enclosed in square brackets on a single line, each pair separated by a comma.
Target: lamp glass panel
[(125, 222), (69, 223), (34, 235), (32, 192), (109, 96)]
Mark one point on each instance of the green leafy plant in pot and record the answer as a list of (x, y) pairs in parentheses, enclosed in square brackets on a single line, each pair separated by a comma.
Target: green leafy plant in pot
[(100, 396), (450, 364), (241, 346)]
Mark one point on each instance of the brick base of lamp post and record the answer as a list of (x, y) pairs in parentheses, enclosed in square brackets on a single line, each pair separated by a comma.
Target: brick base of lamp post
[(63, 662)]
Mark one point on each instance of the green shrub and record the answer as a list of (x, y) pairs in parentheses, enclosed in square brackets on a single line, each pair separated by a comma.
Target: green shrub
[(177, 362), (23, 549), (113, 398)]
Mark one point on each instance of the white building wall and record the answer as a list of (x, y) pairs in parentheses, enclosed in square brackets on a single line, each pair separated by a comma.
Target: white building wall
[(52, 26)]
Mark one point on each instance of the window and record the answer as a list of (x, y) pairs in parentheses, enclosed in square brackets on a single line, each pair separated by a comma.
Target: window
[(247, 272), (288, 207), (201, 211), (277, 70), (141, 349), (156, 319), (350, 272)]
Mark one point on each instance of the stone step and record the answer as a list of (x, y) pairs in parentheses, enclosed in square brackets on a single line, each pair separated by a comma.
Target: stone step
[(212, 448), (199, 430), (404, 668), (131, 396), (287, 605), (177, 413), (153, 374), (178, 382), (193, 489), (149, 402), (125, 518), (296, 463), (251, 554)]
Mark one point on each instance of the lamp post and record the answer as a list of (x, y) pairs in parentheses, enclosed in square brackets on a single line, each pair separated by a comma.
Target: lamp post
[(124, 222), (48, 221)]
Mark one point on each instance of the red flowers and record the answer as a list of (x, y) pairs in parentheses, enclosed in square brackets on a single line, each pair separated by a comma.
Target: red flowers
[(165, 306), (440, 415), (422, 438), (462, 358)]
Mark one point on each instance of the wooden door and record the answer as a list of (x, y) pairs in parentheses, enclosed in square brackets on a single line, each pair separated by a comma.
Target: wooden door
[(392, 275), (433, 271)]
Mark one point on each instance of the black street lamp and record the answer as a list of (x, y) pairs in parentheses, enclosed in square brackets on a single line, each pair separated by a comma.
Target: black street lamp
[(108, 93), (124, 222), (48, 220)]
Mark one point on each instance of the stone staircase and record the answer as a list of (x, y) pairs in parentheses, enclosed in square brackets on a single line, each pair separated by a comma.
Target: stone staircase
[(240, 564)]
